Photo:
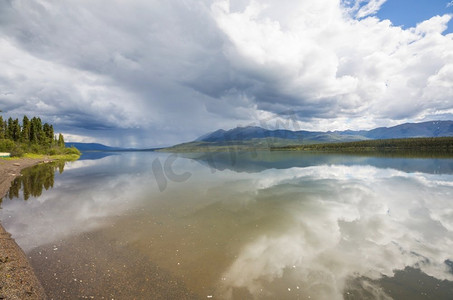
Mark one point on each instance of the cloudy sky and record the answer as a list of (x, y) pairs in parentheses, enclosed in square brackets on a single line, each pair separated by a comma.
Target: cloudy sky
[(153, 72)]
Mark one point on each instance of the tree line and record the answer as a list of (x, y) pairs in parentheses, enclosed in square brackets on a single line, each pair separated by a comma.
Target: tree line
[(31, 136), (31, 131), (427, 145)]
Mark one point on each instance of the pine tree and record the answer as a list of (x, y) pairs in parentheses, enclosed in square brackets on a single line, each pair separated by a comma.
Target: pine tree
[(16, 130), (40, 132), (25, 134), (35, 130), (60, 140), (8, 129), (47, 140), (2, 128), (51, 135), (31, 135)]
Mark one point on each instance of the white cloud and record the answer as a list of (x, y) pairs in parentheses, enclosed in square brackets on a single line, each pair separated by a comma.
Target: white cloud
[(334, 66), (370, 8), (450, 4)]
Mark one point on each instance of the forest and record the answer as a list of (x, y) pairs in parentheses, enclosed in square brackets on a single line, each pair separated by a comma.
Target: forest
[(31, 136), (416, 146)]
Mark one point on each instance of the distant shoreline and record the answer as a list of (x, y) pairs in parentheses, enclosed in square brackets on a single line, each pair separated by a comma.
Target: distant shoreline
[(439, 146), (17, 278), (412, 147)]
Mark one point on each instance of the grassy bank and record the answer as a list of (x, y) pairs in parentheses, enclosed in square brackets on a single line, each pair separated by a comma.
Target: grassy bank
[(29, 150), (415, 146), (67, 157), (70, 156)]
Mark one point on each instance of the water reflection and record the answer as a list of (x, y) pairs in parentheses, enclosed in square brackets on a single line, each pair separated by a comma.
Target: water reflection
[(329, 227), (34, 180), (263, 160), (93, 155), (85, 197), (334, 223)]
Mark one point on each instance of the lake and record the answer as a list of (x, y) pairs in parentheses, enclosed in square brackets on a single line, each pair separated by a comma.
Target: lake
[(259, 225)]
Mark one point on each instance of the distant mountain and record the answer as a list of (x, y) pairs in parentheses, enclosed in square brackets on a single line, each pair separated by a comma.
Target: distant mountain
[(253, 132), (253, 136), (93, 147), (407, 130)]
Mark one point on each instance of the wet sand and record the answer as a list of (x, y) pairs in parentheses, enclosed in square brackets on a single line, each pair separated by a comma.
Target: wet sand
[(94, 266), (17, 278)]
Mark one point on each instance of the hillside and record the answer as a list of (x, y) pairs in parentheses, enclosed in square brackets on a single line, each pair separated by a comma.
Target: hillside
[(245, 138), (408, 130)]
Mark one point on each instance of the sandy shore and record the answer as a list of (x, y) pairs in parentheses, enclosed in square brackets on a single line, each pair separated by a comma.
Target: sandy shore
[(17, 278)]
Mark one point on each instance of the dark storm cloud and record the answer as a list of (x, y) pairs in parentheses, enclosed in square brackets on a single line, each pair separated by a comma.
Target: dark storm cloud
[(153, 53)]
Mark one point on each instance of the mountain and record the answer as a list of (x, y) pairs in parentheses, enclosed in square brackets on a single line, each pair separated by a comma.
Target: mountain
[(254, 132), (407, 130), (93, 147), (253, 136)]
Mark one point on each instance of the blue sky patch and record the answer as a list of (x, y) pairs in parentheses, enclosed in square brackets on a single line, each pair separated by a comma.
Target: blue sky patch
[(408, 13)]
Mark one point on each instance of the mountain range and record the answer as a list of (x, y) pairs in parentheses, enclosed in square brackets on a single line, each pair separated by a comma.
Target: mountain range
[(253, 135), (260, 137), (407, 130)]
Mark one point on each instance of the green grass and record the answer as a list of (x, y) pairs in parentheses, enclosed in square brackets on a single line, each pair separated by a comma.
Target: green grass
[(9, 158), (19, 149), (68, 157), (34, 155), (54, 157)]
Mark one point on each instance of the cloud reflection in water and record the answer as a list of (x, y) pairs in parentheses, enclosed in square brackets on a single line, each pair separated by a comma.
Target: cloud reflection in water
[(344, 222), (291, 232)]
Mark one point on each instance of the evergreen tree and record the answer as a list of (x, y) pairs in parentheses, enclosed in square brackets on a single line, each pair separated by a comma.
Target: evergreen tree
[(48, 134), (16, 130), (9, 128), (2, 128), (60, 140), (30, 136), (51, 135), (36, 130), (40, 132), (25, 134), (47, 139)]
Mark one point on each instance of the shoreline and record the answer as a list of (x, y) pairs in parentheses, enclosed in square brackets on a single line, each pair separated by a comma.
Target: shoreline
[(17, 277)]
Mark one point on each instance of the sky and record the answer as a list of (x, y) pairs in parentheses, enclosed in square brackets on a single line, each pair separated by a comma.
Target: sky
[(150, 73)]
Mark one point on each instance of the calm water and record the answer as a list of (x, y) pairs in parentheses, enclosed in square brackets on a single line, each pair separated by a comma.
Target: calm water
[(237, 226)]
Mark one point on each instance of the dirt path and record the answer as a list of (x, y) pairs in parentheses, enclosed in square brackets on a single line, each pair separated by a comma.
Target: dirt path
[(17, 278)]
